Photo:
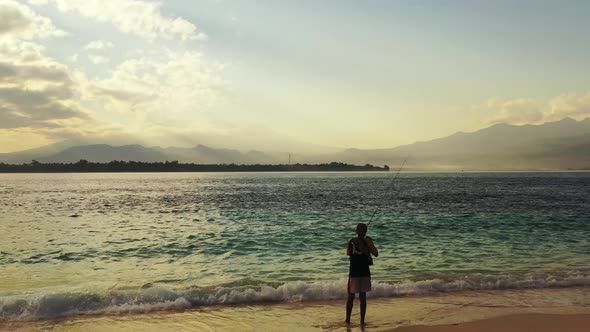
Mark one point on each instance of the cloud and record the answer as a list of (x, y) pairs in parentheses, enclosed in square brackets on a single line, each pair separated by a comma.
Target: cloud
[(37, 108), (569, 105), (140, 18), (37, 96), (43, 98), (19, 21), (11, 74), (529, 111), (20, 52), (99, 45), (181, 83), (517, 111), (38, 2), (98, 59), (35, 90)]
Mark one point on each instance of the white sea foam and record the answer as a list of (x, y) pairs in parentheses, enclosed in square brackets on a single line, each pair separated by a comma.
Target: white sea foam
[(51, 305)]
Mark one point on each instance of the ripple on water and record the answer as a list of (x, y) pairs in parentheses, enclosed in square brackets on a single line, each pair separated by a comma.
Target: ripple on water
[(221, 227)]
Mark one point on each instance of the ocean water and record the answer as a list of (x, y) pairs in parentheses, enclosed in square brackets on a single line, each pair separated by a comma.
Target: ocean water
[(110, 243)]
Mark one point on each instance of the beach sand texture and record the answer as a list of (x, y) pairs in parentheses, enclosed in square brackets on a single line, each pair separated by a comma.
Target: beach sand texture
[(514, 310), (514, 323)]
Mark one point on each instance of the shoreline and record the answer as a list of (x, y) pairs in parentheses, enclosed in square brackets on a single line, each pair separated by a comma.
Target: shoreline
[(429, 313), (409, 171)]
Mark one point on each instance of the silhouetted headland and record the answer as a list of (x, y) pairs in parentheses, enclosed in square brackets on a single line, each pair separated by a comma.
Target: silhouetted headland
[(175, 166)]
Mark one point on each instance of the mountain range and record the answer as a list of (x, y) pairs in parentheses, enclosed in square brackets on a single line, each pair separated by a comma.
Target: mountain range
[(563, 144)]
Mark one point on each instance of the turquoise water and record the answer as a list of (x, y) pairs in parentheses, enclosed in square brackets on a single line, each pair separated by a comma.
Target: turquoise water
[(77, 243)]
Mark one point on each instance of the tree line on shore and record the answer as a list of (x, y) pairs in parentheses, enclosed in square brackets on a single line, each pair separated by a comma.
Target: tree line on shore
[(175, 166)]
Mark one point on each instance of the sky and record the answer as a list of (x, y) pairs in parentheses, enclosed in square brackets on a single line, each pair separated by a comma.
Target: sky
[(278, 75)]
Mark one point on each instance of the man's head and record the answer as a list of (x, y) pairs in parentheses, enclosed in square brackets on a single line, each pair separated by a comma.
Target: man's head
[(361, 229)]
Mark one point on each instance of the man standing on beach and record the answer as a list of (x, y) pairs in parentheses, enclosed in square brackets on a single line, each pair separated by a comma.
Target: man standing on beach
[(359, 249)]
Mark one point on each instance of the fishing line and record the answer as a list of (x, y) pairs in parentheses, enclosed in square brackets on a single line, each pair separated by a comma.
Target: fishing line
[(389, 187)]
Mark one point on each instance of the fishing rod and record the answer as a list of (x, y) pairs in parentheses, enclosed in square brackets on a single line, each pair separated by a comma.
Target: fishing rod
[(389, 187)]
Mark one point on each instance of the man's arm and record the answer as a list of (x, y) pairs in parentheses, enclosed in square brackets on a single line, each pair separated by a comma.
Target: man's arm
[(348, 248), (372, 247)]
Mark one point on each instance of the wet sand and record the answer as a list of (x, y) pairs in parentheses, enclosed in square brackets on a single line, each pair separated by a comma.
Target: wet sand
[(543, 310), (513, 323)]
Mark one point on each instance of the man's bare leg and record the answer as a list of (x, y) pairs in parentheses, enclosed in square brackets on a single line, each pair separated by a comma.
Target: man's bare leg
[(349, 304), (363, 298)]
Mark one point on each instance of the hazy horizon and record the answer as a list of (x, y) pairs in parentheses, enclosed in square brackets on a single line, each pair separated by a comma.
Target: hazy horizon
[(296, 75), (244, 147)]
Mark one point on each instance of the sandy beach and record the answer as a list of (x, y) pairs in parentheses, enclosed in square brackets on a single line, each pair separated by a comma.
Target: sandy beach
[(541, 310), (513, 323)]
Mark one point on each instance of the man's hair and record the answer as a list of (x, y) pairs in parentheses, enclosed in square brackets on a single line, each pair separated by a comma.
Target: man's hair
[(361, 228)]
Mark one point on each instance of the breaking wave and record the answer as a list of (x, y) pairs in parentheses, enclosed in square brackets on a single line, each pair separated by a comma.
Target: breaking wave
[(155, 298)]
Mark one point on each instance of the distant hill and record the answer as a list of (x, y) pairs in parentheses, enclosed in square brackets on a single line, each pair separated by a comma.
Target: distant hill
[(200, 154), (41, 152), (563, 144), (106, 153)]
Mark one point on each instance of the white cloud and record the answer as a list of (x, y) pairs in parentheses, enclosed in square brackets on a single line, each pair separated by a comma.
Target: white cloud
[(19, 21), (141, 18), (182, 83), (530, 111), (43, 98), (98, 59), (569, 105), (20, 52), (517, 111), (38, 2), (99, 45)]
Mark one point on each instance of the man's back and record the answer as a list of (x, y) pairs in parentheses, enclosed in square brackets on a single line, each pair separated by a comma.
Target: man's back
[(359, 249)]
